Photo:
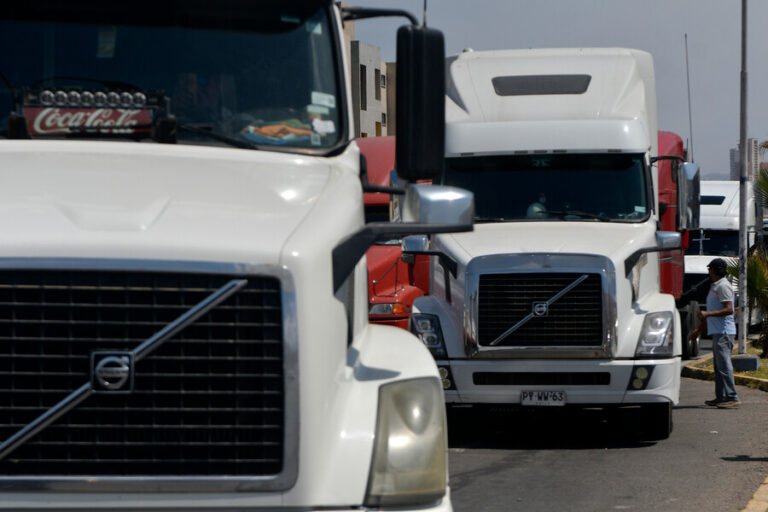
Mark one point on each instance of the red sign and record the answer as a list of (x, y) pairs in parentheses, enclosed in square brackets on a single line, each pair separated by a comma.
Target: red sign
[(56, 120)]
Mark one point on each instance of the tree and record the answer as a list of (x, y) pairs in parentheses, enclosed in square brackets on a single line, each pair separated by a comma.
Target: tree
[(757, 268), (757, 290)]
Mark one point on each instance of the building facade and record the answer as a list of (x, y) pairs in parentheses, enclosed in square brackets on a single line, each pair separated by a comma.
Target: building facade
[(369, 90)]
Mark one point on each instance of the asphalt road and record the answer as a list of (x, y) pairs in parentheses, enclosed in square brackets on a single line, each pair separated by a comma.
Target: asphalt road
[(579, 460)]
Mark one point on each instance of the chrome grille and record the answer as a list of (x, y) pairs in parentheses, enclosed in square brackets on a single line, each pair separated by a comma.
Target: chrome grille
[(573, 320), (208, 402)]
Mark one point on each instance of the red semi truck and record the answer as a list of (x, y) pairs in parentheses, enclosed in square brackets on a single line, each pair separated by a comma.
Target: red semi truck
[(394, 280), (672, 263)]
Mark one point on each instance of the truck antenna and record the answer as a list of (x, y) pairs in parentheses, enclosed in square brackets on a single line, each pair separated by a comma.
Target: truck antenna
[(688, 81)]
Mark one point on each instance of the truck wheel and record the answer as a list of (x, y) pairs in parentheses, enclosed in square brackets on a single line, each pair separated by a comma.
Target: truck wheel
[(657, 421), (688, 319), (685, 331), (458, 424)]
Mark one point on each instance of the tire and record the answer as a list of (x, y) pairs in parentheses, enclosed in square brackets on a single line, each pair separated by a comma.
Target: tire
[(458, 424), (688, 318), (684, 332), (657, 421)]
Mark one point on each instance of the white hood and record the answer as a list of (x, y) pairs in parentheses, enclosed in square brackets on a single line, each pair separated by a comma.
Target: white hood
[(614, 240), (124, 200)]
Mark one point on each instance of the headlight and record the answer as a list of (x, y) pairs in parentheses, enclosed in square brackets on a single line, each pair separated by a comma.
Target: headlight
[(387, 309), (657, 336), (409, 466), (427, 328)]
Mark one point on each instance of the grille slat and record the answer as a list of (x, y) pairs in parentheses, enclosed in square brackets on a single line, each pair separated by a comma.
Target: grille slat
[(128, 341), (574, 320), (208, 402)]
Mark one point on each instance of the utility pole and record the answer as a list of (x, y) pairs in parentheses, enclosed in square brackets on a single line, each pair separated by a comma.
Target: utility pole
[(743, 187), (743, 361), (690, 118)]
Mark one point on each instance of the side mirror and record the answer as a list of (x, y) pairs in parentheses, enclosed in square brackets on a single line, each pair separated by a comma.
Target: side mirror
[(396, 200), (438, 204), (668, 240), (425, 209), (688, 206), (415, 244), (420, 103)]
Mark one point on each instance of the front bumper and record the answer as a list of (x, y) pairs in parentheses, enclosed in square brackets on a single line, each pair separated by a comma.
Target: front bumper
[(584, 382), (98, 502)]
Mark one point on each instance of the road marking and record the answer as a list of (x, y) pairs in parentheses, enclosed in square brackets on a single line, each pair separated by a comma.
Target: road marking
[(759, 502)]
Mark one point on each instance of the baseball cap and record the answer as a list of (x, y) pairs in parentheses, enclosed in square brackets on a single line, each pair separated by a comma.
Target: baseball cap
[(718, 265)]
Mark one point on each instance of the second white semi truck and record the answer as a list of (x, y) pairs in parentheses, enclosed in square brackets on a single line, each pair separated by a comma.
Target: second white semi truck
[(555, 297)]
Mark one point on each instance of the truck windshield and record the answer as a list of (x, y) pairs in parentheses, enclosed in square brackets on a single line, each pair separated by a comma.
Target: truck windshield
[(582, 187), (711, 242), (261, 75)]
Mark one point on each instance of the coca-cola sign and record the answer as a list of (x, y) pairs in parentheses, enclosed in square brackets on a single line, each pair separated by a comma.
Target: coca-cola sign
[(56, 120)]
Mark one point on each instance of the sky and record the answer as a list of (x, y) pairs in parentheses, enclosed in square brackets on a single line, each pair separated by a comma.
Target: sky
[(657, 26)]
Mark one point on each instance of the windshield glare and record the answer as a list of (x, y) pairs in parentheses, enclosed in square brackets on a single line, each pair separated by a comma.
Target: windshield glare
[(273, 85), (583, 187)]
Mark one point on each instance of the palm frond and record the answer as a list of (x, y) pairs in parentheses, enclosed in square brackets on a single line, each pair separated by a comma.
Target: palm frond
[(761, 187), (757, 279)]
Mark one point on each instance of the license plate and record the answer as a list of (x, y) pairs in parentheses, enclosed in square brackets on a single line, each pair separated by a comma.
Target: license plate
[(546, 398)]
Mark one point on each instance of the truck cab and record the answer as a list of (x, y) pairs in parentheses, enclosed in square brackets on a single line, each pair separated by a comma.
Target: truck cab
[(556, 298), (183, 293), (718, 235)]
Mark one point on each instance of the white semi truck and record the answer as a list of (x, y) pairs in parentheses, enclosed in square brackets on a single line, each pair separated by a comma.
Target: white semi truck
[(718, 236), (183, 304), (554, 298)]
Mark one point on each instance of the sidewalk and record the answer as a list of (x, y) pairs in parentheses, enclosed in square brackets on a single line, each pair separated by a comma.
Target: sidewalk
[(759, 502)]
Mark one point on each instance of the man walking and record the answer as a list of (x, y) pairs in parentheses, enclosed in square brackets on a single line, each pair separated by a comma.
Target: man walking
[(721, 327)]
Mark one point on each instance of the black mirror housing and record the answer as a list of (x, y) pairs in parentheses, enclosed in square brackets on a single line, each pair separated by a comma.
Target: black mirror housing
[(688, 185), (420, 103)]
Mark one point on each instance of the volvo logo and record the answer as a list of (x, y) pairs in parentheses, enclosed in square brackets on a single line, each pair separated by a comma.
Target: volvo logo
[(540, 309), (112, 371)]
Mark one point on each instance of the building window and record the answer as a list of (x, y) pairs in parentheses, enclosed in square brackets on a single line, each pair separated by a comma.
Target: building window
[(383, 119), (363, 134), (363, 88), (383, 81), (377, 82), (378, 129)]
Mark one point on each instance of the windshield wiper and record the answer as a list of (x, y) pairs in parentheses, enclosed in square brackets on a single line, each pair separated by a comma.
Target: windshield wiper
[(576, 213), (207, 131), (492, 219)]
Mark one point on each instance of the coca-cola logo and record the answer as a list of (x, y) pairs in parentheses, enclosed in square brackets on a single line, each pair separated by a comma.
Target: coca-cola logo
[(54, 120)]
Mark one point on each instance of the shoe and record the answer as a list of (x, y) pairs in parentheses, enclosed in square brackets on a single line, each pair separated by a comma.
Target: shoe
[(728, 404), (713, 402)]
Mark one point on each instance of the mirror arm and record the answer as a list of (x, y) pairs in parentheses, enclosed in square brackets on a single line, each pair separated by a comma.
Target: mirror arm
[(349, 251), (349, 13), (381, 188), (449, 267), (655, 159), (446, 261), (633, 258)]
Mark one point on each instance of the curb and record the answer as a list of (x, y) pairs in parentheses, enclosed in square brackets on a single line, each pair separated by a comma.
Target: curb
[(689, 370), (759, 502)]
